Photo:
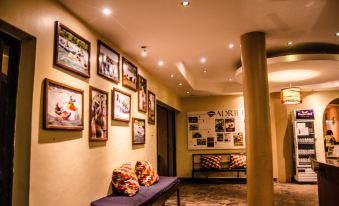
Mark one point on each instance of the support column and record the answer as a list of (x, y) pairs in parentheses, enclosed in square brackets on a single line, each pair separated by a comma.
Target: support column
[(257, 120)]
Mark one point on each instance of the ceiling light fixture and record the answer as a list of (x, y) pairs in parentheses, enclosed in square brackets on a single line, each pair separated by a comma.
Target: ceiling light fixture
[(289, 43), (187, 92), (161, 63), (229, 79), (203, 60), (231, 46), (106, 11), (205, 71), (185, 3), (180, 84), (172, 75), (144, 52), (337, 34), (290, 95)]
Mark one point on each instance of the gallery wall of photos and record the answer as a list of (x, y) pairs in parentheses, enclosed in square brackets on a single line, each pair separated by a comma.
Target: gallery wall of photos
[(216, 129), (64, 105)]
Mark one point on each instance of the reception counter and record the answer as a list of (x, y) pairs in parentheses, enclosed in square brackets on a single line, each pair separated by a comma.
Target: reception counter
[(328, 181)]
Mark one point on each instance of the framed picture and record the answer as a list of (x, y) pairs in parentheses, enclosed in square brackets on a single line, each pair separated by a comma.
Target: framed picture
[(129, 74), (151, 107), (121, 105), (108, 63), (63, 106), (98, 114), (142, 94), (138, 131), (71, 51)]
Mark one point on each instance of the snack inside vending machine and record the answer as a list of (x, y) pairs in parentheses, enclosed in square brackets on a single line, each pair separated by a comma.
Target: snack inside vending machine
[(304, 145)]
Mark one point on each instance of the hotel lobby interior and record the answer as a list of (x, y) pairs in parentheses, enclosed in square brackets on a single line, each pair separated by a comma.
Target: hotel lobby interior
[(171, 102)]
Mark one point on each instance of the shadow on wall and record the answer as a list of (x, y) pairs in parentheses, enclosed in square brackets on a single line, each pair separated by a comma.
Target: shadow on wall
[(287, 148)]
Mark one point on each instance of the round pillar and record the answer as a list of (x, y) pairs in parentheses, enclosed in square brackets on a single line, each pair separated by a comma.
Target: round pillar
[(257, 120)]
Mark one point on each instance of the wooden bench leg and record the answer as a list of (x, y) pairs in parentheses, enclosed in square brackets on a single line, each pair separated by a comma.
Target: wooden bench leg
[(178, 197)]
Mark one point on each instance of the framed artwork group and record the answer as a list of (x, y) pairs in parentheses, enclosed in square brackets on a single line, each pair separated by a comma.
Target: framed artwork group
[(64, 105)]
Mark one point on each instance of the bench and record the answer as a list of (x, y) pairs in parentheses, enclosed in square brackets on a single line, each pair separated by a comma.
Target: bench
[(225, 164), (154, 195)]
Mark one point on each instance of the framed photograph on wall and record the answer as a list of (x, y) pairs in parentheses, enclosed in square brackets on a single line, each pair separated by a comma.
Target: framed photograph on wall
[(151, 107), (108, 62), (98, 114), (63, 106), (71, 51), (138, 131), (142, 94), (129, 74), (121, 105)]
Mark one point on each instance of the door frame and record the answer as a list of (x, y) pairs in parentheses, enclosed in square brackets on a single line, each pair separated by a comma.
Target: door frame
[(168, 108)]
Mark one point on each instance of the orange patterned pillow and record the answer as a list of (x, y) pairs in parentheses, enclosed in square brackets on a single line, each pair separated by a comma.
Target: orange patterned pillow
[(211, 162), (238, 161), (125, 181), (146, 174)]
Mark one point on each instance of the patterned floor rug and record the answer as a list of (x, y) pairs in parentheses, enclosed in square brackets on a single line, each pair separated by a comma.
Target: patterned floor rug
[(235, 194)]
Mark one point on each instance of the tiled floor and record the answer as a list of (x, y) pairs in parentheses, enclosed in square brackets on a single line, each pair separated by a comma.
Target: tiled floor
[(235, 194)]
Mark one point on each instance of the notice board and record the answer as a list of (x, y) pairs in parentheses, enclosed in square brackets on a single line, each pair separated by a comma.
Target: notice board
[(216, 129)]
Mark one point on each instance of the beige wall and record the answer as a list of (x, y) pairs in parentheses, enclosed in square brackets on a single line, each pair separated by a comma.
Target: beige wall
[(191, 104), (284, 130), (281, 128), (65, 168)]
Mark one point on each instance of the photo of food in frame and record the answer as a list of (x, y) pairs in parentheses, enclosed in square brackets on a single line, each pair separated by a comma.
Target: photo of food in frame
[(63, 106), (121, 105), (71, 51), (98, 119), (219, 125), (192, 119), (194, 127), (129, 74), (138, 131), (229, 125), (108, 62), (196, 135), (142, 94), (210, 141), (220, 137), (238, 139)]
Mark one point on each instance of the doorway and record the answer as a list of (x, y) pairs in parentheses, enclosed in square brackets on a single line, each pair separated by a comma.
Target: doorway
[(9, 62), (166, 141)]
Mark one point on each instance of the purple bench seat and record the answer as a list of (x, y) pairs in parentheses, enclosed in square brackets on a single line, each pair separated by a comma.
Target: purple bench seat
[(153, 195)]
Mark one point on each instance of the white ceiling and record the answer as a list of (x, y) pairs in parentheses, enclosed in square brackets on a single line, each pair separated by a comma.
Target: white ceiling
[(181, 36)]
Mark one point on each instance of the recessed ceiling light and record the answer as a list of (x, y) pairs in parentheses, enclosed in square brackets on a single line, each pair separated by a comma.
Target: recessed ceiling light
[(160, 63), (231, 45), (144, 52), (172, 75), (203, 60), (289, 43), (230, 79), (106, 11), (337, 34), (185, 3), (180, 84), (187, 92), (205, 71)]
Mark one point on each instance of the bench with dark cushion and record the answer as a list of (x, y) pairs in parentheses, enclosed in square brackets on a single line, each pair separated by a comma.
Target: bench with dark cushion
[(156, 194), (225, 164)]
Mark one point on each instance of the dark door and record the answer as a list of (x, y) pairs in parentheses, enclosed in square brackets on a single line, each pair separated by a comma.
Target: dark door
[(9, 61), (166, 141)]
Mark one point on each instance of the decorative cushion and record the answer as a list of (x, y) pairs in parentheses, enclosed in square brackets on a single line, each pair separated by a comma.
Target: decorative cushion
[(211, 162), (125, 181), (238, 161), (146, 174)]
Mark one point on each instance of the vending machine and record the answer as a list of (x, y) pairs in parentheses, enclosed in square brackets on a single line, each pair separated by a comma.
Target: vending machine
[(304, 145)]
